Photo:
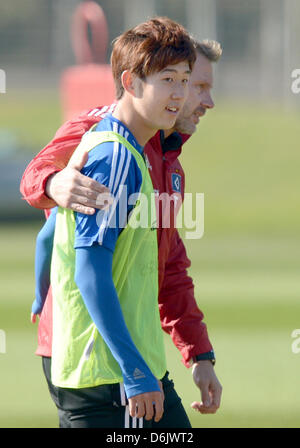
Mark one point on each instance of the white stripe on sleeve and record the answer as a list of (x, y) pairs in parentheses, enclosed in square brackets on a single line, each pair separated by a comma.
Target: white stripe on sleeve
[(93, 112), (102, 218), (119, 171), (117, 194), (101, 111)]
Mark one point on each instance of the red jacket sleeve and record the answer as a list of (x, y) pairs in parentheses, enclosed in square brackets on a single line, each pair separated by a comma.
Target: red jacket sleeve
[(179, 313), (54, 157)]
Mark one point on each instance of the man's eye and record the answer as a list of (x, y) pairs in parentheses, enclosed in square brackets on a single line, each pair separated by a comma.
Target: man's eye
[(168, 79), (185, 81)]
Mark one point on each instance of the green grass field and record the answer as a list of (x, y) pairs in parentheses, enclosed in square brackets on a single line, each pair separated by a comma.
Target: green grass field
[(249, 292), (245, 270)]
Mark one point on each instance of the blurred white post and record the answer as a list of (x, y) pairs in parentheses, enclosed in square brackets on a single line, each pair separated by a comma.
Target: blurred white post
[(202, 24), (291, 60), (271, 49), (286, 87), (137, 11), (2, 81), (202, 18)]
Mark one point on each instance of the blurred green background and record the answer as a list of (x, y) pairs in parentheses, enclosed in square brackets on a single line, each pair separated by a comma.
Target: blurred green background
[(245, 160)]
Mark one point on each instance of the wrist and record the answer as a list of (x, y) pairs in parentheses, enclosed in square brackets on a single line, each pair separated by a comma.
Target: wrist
[(48, 182), (140, 386), (208, 356)]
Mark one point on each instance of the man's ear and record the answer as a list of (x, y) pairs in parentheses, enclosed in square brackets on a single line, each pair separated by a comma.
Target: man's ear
[(128, 81), (131, 83)]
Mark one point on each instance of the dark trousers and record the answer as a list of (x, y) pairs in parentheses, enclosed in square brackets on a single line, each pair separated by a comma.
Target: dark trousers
[(103, 406)]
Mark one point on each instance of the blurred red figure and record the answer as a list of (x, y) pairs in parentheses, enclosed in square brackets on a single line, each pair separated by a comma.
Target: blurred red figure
[(90, 82)]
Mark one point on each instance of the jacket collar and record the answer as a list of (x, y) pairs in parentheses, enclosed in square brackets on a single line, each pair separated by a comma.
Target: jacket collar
[(173, 142)]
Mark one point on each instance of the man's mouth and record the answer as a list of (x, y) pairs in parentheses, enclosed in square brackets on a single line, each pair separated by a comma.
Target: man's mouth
[(173, 109), (198, 114), (196, 118)]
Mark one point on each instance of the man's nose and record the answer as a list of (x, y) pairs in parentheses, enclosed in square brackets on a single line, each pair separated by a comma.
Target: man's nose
[(180, 91), (207, 102)]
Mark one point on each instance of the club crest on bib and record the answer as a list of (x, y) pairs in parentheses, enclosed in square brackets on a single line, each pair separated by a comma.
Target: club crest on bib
[(176, 182)]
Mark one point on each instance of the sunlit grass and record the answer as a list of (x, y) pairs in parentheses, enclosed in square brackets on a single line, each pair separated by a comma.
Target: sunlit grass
[(250, 311)]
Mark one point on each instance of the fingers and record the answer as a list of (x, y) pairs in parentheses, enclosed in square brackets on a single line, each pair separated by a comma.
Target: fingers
[(200, 407), (78, 160), (211, 390), (161, 389), (71, 189), (147, 405), (99, 197), (159, 409), (33, 318), (216, 395), (79, 208), (206, 398), (80, 180), (88, 188), (136, 408), (211, 399), (86, 201), (207, 406)]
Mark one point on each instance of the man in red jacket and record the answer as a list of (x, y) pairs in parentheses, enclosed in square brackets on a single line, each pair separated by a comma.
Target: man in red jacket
[(48, 181)]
